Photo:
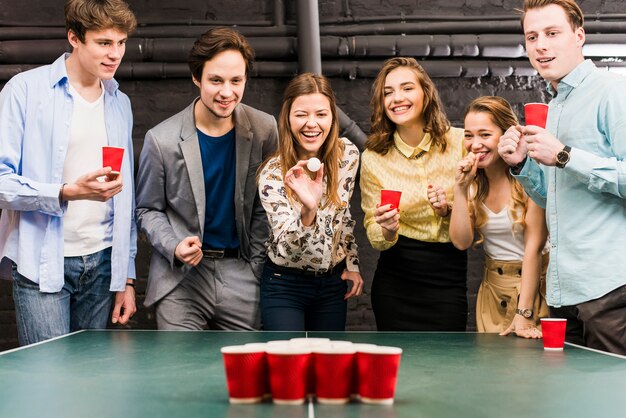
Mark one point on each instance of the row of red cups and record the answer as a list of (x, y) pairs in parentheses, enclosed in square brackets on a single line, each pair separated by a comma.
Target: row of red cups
[(289, 371)]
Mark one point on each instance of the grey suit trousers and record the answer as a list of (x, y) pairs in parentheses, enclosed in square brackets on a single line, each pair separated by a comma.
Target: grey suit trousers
[(216, 294)]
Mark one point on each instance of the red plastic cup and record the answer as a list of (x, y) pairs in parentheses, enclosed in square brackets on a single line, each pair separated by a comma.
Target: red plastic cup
[(553, 330), (334, 368), (355, 375), (289, 367), (536, 114), (246, 373), (267, 394), (310, 343), (378, 373), (390, 197), (112, 157)]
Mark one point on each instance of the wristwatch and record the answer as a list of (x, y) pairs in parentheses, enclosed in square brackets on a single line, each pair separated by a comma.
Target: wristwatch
[(562, 157), (526, 313)]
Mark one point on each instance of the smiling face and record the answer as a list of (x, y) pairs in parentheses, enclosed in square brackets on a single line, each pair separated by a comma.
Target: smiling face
[(554, 48), (481, 138), (403, 97), (310, 121), (222, 83), (100, 55)]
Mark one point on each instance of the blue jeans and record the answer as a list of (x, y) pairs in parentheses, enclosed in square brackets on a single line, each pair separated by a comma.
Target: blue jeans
[(292, 302), (84, 302)]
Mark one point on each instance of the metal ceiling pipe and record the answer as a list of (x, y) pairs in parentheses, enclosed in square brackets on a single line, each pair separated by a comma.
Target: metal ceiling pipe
[(175, 50), (334, 69), (310, 60), (279, 13), (309, 50), (451, 27)]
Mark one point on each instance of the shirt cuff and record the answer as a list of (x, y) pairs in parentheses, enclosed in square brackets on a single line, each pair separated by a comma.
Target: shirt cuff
[(49, 199), (131, 269)]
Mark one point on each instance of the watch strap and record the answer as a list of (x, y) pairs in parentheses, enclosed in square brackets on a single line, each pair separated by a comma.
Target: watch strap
[(524, 311), (563, 157)]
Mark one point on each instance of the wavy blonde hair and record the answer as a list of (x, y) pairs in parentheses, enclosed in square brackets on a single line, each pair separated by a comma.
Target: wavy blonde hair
[(501, 114), (331, 150), (436, 123)]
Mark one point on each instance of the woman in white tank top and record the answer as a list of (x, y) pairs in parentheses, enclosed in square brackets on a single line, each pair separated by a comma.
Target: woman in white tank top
[(491, 207)]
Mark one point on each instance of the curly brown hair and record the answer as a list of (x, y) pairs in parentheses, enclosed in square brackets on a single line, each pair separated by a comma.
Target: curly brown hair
[(436, 123)]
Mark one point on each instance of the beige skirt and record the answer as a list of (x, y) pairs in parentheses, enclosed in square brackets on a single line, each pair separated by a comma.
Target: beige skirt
[(499, 292)]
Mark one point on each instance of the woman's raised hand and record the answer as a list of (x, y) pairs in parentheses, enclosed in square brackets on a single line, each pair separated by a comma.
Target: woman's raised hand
[(309, 191)]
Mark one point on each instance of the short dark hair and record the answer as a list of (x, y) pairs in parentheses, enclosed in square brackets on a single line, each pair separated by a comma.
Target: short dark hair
[(85, 15), (215, 41)]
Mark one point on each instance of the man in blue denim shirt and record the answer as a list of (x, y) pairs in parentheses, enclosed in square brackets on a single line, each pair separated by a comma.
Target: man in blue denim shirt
[(67, 228), (576, 170)]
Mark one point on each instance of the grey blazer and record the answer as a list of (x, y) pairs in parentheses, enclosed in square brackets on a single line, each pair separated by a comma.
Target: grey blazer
[(171, 197)]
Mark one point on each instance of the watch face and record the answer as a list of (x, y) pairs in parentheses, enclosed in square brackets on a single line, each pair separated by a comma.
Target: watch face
[(562, 157)]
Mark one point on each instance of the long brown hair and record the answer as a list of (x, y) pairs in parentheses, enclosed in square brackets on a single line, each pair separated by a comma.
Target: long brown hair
[(501, 114), (435, 121), (331, 150)]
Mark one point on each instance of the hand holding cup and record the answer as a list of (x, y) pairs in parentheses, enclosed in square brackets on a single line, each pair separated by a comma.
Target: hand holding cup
[(387, 213)]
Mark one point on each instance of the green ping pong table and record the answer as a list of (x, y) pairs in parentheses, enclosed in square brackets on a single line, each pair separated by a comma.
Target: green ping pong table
[(124, 374)]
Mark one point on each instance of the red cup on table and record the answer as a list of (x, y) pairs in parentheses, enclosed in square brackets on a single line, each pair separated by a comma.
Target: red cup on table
[(289, 368), (553, 330), (378, 373), (246, 373), (112, 157), (267, 394), (355, 374), (334, 368), (310, 343), (536, 114), (391, 197)]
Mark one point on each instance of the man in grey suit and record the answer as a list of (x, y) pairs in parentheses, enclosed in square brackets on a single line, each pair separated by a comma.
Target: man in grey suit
[(197, 199)]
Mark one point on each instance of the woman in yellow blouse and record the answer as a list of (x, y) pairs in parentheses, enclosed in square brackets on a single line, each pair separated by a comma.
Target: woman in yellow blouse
[(312, 253), (420, 279)]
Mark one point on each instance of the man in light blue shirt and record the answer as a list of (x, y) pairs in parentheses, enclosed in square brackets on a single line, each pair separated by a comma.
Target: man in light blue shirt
[(67, 230), (577, 171)]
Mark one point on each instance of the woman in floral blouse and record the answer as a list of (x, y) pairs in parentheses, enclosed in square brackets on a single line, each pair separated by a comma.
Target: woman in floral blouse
[(312, 253)]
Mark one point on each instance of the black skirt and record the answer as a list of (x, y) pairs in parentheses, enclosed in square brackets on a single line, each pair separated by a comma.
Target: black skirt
[(420, 286)]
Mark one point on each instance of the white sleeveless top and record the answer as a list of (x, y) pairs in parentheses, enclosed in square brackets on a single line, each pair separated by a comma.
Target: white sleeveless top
[(500, 242)]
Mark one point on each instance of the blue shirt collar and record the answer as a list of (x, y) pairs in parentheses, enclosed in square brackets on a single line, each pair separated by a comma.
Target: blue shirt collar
[(573, 79), (58, 75)]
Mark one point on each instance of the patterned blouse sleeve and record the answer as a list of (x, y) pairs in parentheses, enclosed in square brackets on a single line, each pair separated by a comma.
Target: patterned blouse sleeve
[(347, 230), (290, 238)]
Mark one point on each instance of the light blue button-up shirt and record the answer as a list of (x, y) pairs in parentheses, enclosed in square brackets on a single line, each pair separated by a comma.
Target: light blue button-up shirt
[(35, 117), (586, 201)]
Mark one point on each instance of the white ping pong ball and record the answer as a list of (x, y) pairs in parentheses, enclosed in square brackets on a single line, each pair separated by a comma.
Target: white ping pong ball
[(314, 164)]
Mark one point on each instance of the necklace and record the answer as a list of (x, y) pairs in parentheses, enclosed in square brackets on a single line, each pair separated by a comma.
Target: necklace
[(415, 157)]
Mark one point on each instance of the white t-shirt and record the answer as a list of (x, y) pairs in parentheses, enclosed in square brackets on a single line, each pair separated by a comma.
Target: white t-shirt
[(87, 224)]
